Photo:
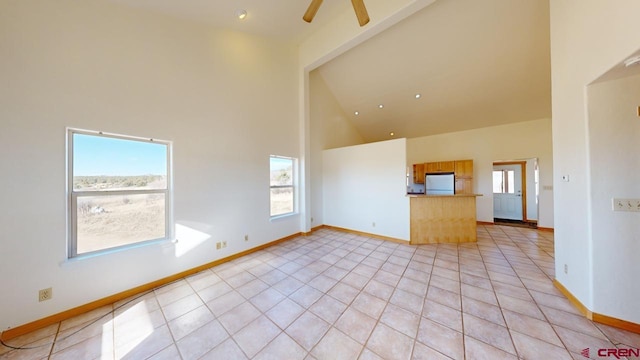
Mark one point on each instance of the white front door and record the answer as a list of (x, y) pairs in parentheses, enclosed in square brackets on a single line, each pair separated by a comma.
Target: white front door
[(507, 192)]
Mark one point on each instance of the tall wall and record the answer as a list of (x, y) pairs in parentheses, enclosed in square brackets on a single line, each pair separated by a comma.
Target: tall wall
[(519, 141), (588, 37), (364, 188), (329, 128), (226, 100), (614, 130)]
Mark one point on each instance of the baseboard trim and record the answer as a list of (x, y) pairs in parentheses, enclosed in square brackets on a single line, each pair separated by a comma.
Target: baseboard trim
[(484, 223), (599, 318), (545, 229), (314, 229), (67, 314), (376, 236)]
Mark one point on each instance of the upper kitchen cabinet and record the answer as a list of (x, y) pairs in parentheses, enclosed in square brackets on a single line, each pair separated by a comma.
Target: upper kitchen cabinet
[(464, 169), (441, 166), (418, 173)]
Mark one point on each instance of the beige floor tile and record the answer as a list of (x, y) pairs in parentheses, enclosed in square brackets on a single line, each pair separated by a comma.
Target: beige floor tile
[(202, 340), (182, 306), (255, 336), (177, 293), (282, 347), (155, 342), (356, 324), (482, 310), (532, 348), (556, 302), (214, 291), (328, 308), (306, 296), (444, 297), (389, 343), (284, 313), (39, 349), (423, 352), (619, 336), (488, 332), (343, 293), (100, 327), (401, 320), (240, 279), (267, 299), (169, 353), (576, 341), (533, 327), (387, 278), (369, 305), (288, 285), (335, 345), (441, 339), (190, 321), (407, 301), (252, 288), (477, 350), (524, 307), (369, 355), (378, 289), (239, 317), (480, 294), (443, 315), (227, 350), (307, 330), (322, 283)]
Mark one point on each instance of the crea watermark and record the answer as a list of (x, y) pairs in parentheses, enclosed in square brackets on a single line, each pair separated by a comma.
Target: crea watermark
[(614, 353)]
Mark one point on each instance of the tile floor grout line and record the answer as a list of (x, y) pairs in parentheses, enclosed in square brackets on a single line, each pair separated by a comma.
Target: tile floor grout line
[(539, 309)]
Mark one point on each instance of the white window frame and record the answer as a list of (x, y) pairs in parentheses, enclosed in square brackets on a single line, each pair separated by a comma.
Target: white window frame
[(294, 174), (73, 196)]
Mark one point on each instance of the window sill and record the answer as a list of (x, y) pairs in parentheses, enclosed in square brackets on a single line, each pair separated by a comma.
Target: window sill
[(100, 253), (283, 216)]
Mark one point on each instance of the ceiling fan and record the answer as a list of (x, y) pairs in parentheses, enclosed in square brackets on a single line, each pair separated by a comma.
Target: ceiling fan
[(358, 6)]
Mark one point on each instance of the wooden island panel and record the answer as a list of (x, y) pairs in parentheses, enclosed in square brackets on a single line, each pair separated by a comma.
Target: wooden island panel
[(443, 219)]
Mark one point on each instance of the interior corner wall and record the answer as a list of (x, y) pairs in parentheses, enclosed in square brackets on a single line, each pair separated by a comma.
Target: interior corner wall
[(365, 188), (614, 130), (518, 141), (580, 53), (329, 128), (226, 100)]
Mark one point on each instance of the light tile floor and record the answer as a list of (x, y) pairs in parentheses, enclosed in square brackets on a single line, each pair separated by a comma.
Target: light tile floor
[(335, 295)]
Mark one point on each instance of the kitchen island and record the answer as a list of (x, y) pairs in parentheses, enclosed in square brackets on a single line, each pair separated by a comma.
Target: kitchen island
[(443, 218)]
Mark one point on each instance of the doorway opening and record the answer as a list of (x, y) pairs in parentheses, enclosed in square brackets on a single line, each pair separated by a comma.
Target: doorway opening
[(515, 192)]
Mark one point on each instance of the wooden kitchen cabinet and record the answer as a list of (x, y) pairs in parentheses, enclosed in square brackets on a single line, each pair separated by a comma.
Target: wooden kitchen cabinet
[(464, 169), (418, 173), (464, 186), (440, 166)]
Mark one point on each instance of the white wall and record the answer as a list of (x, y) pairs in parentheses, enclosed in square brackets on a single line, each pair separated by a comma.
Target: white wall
[(329, 128), (226, 100), (366, 184), (506, 142), (580, 53), (614, 130)]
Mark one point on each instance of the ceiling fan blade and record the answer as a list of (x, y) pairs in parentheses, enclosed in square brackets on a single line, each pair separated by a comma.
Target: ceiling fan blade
[(312, 10), (361, 11)]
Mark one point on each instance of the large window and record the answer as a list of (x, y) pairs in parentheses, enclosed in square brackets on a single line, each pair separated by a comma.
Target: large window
[(119, 191), (281, 182)]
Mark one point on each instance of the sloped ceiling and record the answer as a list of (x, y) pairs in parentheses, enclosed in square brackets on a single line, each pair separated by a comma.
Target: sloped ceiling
[(475, 64)]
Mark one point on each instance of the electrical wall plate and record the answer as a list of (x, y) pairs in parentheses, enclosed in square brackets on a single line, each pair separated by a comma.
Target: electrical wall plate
[(626, 205)]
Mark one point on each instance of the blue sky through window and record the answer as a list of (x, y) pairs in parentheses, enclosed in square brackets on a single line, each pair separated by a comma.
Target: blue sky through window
[(98, 155)]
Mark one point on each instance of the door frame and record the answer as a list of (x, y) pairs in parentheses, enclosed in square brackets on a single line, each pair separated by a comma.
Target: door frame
[(523, 177)]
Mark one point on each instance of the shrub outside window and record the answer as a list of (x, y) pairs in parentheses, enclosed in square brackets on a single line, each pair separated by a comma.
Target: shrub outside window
[(281, 182), (119, 191)]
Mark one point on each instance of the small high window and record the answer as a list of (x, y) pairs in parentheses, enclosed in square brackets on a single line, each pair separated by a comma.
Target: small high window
[(281, 183), (503, 182), (119, 191)]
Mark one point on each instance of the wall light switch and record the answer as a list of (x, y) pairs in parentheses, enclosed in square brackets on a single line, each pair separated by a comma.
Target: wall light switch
[(565, 178)]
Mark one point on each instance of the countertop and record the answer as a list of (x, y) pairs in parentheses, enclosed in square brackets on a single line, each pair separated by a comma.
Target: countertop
[(435, 196)]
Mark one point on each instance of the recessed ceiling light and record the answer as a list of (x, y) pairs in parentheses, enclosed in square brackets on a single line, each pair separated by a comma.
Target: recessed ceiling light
[(380, 106), (418, 96), (357, 112), (392, 133), (241, 14)]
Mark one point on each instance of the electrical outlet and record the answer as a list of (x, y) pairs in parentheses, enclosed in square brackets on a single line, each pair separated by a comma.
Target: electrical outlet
[(224, 244), (311, 219), (566, 268), (45, 294), (218, 245), (246, 238), (626, 205), (373, 224)]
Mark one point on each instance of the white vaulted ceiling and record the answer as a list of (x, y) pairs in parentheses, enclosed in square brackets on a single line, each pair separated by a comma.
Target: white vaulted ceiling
[(476, 63)]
